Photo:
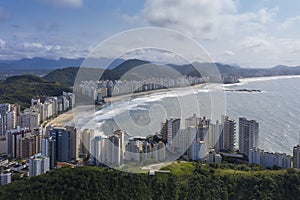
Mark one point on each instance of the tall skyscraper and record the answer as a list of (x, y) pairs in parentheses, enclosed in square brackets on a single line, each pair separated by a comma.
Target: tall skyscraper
[(62, 140), (248, 135), (38, 164), (229, 132), (4, 108), (13, 141), (99, 156), (169, 129), (87, 136), (198, 149), (11, 120), (2, 125), (27, 146), (121, 135), (74, 142), (216, 136), (114, 151), (296, 156), (17, 109), (48, 149), (30, 119)]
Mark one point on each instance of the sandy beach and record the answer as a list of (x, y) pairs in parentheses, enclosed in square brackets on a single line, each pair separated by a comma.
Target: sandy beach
[(62, 120), (67, 119), (133, 95)]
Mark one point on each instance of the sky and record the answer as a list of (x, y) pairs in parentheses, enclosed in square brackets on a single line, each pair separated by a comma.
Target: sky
[(256, 33)]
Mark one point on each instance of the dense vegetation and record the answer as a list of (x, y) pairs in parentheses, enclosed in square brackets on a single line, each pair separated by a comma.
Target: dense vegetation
[(187, 181), (20, 89), (67, 76)]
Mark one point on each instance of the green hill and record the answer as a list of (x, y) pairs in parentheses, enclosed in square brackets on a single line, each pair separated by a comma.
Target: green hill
[(65, 76), (68, 75), (199, 182), (20, 89)]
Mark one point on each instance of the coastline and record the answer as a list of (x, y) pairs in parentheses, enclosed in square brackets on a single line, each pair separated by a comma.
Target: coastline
[(266, 78), (68, 118), (62, 120), (125, 97)]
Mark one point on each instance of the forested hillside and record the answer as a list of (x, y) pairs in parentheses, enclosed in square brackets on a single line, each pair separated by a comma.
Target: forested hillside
[(187, 181)]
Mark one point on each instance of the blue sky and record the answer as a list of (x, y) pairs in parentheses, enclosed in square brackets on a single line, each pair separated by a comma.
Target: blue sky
[(256, 33)]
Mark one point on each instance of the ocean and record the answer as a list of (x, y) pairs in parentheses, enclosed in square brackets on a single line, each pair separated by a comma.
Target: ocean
[(276, 107)]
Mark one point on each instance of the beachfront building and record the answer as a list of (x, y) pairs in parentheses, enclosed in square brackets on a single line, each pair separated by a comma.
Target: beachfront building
[(229, 133), (296, 156), (38, 164), (270, 160), (248, 135)]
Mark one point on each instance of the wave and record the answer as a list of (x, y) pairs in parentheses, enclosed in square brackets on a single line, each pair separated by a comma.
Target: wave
[(269, 78)]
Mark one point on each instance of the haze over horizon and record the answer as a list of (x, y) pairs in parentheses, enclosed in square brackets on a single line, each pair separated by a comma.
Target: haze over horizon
[(256, 34)]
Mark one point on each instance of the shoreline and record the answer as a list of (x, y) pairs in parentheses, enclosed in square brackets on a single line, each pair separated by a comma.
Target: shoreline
[(62, 120), (129, 96), (68, 118)]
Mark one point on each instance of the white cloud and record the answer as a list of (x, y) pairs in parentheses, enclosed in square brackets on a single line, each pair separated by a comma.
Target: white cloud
[(33, 45), (201, 19), (2, 44), (65, 3), (267, 15), (229, 53), (289, 22), (37, 45), (255, 44), (194, 17)]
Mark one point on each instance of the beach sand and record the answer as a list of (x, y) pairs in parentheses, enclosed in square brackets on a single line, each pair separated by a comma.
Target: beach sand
[(133, 95), (67, 119)]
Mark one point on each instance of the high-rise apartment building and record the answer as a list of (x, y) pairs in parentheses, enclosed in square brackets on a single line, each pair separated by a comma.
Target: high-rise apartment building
[(215, 136), (62, 141), (38, 164), (121, 135), (114, 151), (14, 141), (169, 129), (11, 120), (30, 119), (229, 133), (268, 159), (296, 156), (74, 142), (248, 135), (2, 125), (48, 149), (86, 138)]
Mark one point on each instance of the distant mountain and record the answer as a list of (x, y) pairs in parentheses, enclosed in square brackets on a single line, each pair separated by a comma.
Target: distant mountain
[(44, 64), (103, 63), (67, 76), (126, 66), (20, 89)]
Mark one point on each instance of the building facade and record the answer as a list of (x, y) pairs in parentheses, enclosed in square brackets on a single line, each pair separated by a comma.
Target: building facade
[(38, 164), (248, 135), (296, 156)]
